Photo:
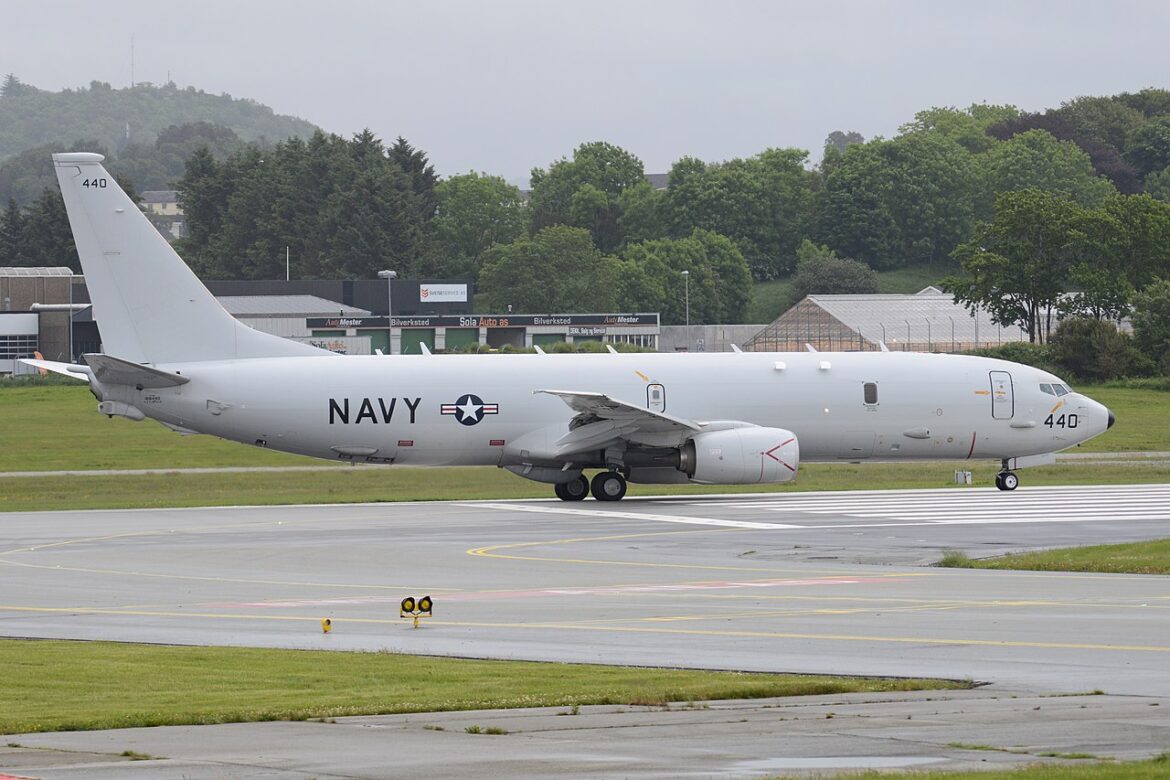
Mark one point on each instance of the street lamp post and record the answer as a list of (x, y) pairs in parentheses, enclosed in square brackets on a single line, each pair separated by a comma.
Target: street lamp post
[(687, 280), (389, 276)]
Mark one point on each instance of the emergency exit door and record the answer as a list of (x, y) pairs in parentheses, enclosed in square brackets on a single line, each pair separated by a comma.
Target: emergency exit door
[(1003, 401)]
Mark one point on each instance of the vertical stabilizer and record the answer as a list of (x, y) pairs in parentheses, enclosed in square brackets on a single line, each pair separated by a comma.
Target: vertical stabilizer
[(149, 306)]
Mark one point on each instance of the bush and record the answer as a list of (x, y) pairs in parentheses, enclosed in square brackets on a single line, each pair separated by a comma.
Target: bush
[(1151, 322), (1096, 350), (1035, 355)]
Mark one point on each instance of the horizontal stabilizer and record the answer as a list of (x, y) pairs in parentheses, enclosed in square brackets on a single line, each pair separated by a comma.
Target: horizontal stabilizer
[(72, 370), (115, 371)]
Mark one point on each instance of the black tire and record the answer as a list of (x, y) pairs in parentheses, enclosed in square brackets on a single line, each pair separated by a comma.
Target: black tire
[(608, 486), (573, 490), (999, 481), (1009, 481)]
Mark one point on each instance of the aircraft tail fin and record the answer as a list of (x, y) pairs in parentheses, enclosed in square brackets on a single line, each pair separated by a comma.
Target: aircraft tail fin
[(149, 306)]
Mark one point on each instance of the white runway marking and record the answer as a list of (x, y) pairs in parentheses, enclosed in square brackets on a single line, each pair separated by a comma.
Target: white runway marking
[(903, 507), (607, 515)]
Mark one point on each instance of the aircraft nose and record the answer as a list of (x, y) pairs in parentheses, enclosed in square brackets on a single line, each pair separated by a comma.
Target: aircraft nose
[(1112, 419)]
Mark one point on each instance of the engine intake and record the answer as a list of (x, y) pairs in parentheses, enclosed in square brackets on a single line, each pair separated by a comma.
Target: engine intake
[(741, 456)]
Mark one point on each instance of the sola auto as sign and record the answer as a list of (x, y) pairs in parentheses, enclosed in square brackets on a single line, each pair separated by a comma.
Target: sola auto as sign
[(442, 293)]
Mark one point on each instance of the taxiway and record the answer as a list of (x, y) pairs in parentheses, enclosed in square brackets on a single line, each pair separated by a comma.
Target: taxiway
[(802, 582)]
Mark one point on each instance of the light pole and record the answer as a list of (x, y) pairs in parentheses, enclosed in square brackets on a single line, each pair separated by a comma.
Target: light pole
[(687, 280), (389, 276)]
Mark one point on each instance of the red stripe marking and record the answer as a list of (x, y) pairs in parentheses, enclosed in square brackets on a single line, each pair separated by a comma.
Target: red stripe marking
[(971, 451), (770, 454)]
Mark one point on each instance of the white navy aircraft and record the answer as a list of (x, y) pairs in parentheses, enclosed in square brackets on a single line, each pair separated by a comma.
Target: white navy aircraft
[(173, 354)]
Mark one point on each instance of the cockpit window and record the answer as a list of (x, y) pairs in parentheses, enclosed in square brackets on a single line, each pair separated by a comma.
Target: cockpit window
[(1047, 389), (1061, 390)]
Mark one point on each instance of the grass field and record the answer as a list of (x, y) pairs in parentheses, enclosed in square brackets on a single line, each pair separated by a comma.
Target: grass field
[(1133, 558), (67, 686), (370, 485), (1154, 769)]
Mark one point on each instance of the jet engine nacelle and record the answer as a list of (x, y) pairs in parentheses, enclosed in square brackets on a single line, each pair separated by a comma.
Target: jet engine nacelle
[(741, 456)]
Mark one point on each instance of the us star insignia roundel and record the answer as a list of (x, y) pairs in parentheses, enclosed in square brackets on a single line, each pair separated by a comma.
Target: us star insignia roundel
[(469, 409)]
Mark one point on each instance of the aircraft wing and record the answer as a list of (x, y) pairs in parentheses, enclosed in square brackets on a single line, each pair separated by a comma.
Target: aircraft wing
[(603, 421)]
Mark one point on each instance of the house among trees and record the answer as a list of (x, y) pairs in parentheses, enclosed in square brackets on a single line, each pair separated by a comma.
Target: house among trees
[(927, 321), (162, 206)]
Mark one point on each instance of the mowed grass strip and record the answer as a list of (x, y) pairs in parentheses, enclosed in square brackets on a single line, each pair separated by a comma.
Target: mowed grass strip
[(403, 483), (1153, 769), (54, 685), (1131, 558)]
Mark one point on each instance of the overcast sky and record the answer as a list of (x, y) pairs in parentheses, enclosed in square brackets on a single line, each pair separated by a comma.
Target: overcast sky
[(507, 85)]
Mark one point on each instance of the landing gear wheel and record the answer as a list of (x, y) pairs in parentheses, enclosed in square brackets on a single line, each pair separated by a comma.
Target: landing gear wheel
[(608, 486), (573, 490), (1006, 480)]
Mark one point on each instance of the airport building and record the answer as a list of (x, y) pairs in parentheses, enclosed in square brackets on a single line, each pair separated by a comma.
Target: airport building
[(453, 332), (48, 310), (35, 309)]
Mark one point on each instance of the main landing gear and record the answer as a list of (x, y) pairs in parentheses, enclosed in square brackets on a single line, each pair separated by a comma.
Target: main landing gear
[(574, 490), (605, 486), (608, 486), (1006, 480)]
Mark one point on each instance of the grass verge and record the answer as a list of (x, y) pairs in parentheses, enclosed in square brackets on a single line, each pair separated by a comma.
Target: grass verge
[(1153, 769), (399, 483), (58, 686), (1133, 558)]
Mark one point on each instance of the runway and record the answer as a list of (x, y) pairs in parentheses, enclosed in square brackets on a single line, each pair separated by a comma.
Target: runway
[(801, 582)]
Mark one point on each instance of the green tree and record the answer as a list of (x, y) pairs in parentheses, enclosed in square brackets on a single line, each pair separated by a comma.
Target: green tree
[(901, 202), (643, 213), (1158, 185), (1136, 238), (13, 87), (11, 234), (1016, 266), (1101, 119), (966, 127), (1150, 101), (1036, 159), (1095, 350), (475, 212), (558, 269), (763, 204), (719, 279), (343, 208), (604, 172), (1151, 322), (840, 141), (46, 239), (423, 179), (819, 271), (1148, 146)]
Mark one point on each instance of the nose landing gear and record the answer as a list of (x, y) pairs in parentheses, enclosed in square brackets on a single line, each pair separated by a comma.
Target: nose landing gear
[(1007, 480)]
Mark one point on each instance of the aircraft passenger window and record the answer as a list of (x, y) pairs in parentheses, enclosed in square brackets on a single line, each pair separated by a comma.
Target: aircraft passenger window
[(1047, 389), (871, 397)]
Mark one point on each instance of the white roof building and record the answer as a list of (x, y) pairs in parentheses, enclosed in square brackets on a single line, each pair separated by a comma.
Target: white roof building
[(928, 321)]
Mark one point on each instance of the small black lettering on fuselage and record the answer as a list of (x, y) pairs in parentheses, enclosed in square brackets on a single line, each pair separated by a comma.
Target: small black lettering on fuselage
[(372, 410)]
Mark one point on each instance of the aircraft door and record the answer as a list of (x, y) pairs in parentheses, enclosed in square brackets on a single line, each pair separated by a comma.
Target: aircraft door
[(1003, 402), (656, 397)]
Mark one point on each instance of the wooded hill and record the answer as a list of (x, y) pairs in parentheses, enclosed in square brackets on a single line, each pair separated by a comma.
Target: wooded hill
[(125, 123)]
